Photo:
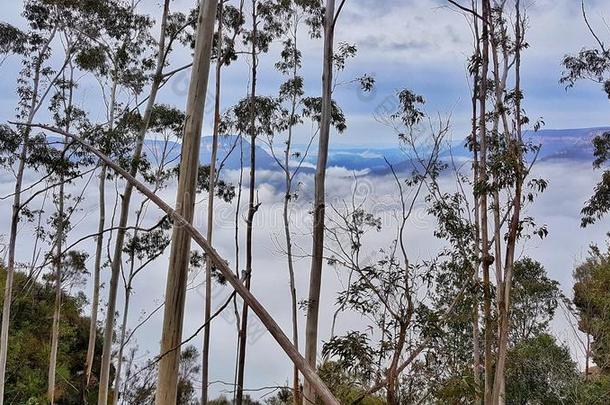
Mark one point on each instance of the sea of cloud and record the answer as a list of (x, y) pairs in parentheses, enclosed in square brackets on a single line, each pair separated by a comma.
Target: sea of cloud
[(570, 184)]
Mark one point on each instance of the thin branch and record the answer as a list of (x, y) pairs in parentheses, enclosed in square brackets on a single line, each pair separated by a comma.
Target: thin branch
[(468, 10), (591, 30), (338, 12)]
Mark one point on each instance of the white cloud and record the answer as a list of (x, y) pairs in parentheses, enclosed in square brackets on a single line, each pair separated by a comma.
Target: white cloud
[(565, 246)]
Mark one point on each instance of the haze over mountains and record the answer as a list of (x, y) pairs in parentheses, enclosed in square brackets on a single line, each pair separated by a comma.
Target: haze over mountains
[(569, 144)]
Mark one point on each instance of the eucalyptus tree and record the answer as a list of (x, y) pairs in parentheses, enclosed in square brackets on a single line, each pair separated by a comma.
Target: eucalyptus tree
[(535, 298), (37, 78), (254, 116), (144, 245), (117, 55), (328, 112), (291, 94), (590, 299), (593, 64), (311, 331), (507, 151), (230, 20), (502, 182), (267, 121), (65, 115), (166, 392), (385, 287), (267, 320), (481, 144), (172, 30)]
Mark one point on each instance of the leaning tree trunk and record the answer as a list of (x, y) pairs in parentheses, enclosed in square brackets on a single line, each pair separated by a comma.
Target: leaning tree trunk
[(315, 281), (115, 267), (175, 293), (205, 355), (266, 319)]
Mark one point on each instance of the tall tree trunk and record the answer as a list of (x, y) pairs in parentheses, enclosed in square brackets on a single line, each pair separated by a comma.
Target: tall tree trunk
[(237, 269), (60, 235), (115, 267), (205, 354), (500, 77), (95, 301), (516, 143), (486, 258), (476, 348), (10, 269), (252, 208), (175, 292), (296, 385), (57, 306), (119, 367), (99, 246), (315, 281)]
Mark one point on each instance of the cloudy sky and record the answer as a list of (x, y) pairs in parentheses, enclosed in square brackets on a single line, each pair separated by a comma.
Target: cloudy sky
[(416, 44)]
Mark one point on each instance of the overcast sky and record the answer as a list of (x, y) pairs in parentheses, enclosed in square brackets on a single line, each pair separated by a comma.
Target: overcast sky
[(417, 44)]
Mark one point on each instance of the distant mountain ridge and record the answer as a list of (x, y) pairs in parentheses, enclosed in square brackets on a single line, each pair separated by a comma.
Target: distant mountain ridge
[(557, 144), (566, 144), (574, 144)]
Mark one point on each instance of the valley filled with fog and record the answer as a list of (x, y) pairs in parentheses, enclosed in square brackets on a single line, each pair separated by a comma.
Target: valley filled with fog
[(570, 183)]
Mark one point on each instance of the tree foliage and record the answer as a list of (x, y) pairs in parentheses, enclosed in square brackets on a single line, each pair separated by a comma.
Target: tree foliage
[(27, 366)]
